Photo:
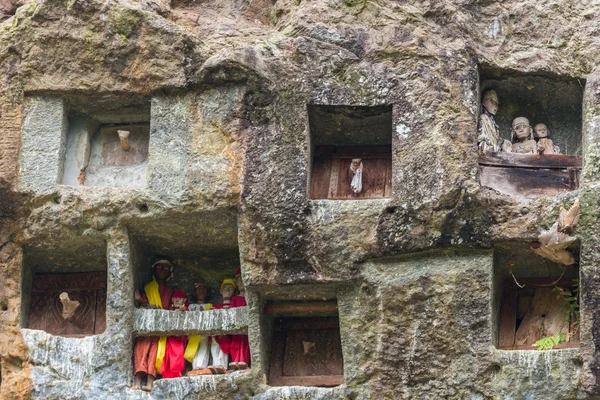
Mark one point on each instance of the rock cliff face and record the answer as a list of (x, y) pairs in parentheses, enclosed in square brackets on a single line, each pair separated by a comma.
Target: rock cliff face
[(224, 87)]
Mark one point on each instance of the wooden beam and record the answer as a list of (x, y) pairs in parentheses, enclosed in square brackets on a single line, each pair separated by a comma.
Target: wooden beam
[(552, 161), (322, 380), (296, 308)]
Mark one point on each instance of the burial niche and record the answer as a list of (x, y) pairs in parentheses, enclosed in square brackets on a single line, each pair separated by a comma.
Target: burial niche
[(351, 152), (537, 300), (306, 348), (107, 142), (64, 291), (186, 264), (529, 133)]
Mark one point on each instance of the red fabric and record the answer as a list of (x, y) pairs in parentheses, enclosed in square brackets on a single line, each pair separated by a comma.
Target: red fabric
[(144, 355), (224, 341), (238, 301), (173, 363), (240, 349), (166, 293)]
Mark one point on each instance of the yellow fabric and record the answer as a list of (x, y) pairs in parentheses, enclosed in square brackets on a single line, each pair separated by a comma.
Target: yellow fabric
[(230, 281), (153, 296), (152, 293), (160, 354), (194, 342), (192, 347)]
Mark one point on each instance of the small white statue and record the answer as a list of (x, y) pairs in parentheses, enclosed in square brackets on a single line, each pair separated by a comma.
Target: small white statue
[(124, 138), (489, 133), (69, 306), (356, 166)]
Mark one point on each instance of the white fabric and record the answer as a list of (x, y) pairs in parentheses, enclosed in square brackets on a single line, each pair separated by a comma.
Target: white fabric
[(218, 357), (202, 355), (356, 184)]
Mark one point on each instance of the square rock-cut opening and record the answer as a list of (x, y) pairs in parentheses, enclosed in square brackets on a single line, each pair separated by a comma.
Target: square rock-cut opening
[(77, 269), (107, 141), (203, 251), (351, 152), (534, 299), (306, 347), (549, 160)]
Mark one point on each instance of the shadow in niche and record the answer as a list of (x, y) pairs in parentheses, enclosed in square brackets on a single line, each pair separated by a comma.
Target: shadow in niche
[(77, 268), (202, 247), (528, 306)]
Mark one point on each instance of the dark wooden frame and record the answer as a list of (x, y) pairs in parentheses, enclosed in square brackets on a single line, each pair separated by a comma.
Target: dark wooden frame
[(530, 174), (507, 328), (330, 177), (288, 325)]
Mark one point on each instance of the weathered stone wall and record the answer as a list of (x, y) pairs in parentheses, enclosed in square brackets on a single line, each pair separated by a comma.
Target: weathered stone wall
[(229, 83)]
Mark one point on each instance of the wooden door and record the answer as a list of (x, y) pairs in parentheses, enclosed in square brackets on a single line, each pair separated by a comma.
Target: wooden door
[(306, 352), (331, 175), (46, 309), (533, 312)]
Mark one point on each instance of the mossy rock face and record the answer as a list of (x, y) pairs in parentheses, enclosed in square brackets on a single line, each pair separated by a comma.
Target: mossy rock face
[(125, 21), (359, 4)]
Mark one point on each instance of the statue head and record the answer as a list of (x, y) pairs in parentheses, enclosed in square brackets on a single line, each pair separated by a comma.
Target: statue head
[(238, 280), (541, 131), (521, 129), (200, 291), (179, 299), (227, 289), (162, 270), (490, 101)]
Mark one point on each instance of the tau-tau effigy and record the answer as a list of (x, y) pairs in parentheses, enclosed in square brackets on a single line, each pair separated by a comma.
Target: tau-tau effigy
[(149, 351), (489, 134), (522, 137)]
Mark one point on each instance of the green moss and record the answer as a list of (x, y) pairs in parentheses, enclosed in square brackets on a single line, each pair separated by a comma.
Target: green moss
[(125, 21), (359, 5)]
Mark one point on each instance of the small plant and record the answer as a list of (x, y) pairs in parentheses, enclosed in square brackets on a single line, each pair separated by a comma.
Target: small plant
[(549, 342), (570, 300)]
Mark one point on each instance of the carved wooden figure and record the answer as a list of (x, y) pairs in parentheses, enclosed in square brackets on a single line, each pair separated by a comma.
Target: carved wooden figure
[(148, 352), (488, 139), (197, 351), (220, 346), (173, 363), (239, 348), (524, 137), (545, 144)]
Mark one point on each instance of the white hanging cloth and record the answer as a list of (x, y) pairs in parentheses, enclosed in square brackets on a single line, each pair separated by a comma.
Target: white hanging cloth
[(356, 166)]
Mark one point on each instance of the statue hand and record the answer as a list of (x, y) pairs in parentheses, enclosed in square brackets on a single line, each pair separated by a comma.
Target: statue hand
[(137, 296)]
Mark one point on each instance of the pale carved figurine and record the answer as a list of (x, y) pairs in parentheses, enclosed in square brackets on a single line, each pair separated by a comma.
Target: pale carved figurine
[(544, 144), (239, 347), (488, 139), (553, 243), (149, 351), (197, 351), (356, 167), (521, 130), (69, 306)]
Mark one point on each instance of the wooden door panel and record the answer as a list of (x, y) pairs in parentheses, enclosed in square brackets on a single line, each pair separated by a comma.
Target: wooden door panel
[(324, 357), (46, 309)]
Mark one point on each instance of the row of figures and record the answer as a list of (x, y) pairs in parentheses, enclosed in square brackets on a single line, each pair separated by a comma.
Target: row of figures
[(207, 355), (522, 138)]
